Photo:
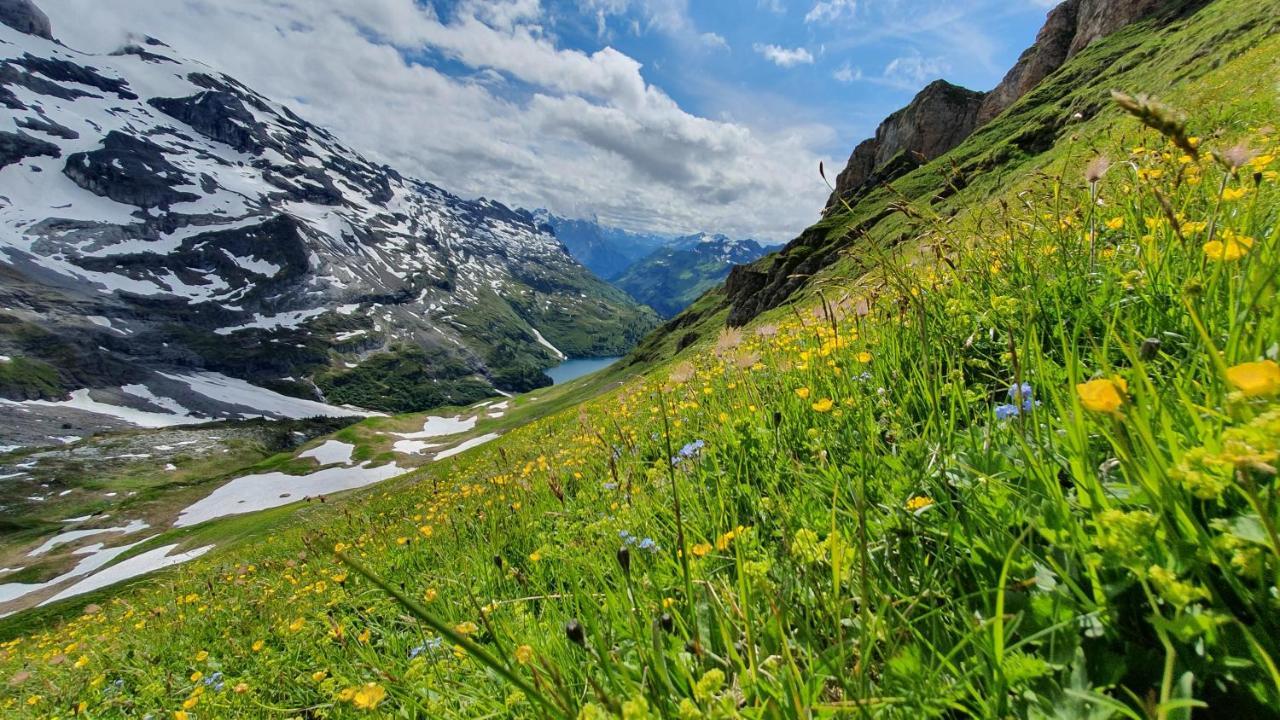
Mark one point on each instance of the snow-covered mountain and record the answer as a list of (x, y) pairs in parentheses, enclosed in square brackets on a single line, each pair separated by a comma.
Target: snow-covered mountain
[(673, 276), (159, 218)]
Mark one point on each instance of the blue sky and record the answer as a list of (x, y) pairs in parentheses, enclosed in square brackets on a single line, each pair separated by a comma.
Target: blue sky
[(665, 115), (860, 61)]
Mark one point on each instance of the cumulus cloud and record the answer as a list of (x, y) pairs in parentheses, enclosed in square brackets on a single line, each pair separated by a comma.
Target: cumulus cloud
[(483, 101), (785, 57)]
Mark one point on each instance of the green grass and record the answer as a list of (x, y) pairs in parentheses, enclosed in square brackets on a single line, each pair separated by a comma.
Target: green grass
[(855, 524)]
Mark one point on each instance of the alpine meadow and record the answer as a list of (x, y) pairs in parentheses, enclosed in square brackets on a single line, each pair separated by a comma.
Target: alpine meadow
[(997, 436)]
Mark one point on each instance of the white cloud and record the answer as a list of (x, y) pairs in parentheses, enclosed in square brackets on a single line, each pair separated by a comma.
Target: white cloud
[(524, 121), (831, 11), (915, 70), (784, 57), (714, 41), (847, 73), (773, 6)]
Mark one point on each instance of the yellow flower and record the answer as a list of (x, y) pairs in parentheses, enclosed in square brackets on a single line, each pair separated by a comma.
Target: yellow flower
[(524, 654), (700, 549), (1255, 378), (191, 702), (180, 715), (339, 547), (339, 578), (465, 628), (369, 696), (864, 357), (823, 405), (84, 660), (1115, 223), (426, 530), (402, 540), (258, 645), (241, 688), (195, 676), (1261, 161), (319, 675), (802, 393), (1103, 395), (535, 556), (919, 502), (1229, 250), (1233, 194), (202, 655), (364, 635), (297, 625), (430, 595)]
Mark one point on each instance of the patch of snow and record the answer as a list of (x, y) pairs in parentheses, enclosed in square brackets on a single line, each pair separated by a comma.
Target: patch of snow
[(439, 427), (144, 392), (412, 447), (332, 452), (147, 562), (80, 400), (290, 319), (467, 445), (98, 555), (260, 492), (73, 535), (543, 342), (239, 392)]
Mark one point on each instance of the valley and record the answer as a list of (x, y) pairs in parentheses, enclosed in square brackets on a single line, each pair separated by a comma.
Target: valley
[(284, 431)]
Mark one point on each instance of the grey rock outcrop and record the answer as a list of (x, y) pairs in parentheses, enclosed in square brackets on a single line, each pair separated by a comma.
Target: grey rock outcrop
[(1069, 28), (942, 115), (24, 16)]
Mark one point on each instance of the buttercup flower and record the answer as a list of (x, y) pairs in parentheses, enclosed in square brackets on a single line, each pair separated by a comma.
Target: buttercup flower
[(1255, 378), (1104, 395)]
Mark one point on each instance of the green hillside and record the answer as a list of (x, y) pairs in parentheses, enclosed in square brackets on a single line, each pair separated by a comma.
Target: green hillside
[(1006, 448)]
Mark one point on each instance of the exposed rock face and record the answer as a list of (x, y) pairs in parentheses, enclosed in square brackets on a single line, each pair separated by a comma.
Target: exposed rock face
[(1070, 28), (129, 170), (940, 117), (14, 147), (25, 17)]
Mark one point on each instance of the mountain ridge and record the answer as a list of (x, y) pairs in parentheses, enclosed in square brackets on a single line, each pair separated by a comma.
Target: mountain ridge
[(161, 216), (675, 275)]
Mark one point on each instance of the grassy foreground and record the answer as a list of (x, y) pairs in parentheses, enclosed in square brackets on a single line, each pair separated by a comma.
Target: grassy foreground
[(1026, 467)]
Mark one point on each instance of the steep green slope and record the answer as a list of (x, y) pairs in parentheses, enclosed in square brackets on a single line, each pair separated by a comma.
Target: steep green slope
[(1022, 465), (1066, 114)]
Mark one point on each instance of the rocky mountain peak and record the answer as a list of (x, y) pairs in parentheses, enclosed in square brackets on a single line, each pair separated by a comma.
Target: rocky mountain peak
[(25, 17), (942, 115), (1069, 28), (937, 119)]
